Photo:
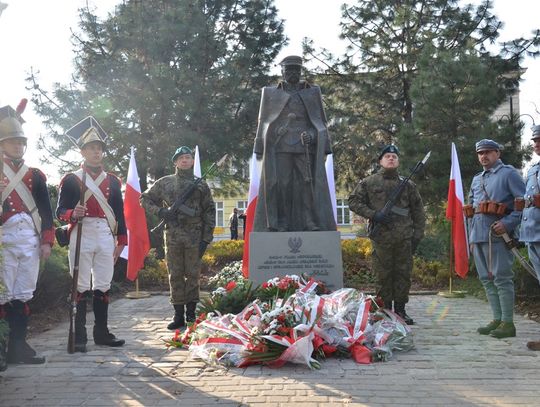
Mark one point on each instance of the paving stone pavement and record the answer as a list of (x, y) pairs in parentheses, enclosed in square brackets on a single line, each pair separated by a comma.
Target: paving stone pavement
[(451, 366)]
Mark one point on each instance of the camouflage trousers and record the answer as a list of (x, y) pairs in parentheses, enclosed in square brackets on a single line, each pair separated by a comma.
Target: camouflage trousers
[(184, 267), (392, 263)]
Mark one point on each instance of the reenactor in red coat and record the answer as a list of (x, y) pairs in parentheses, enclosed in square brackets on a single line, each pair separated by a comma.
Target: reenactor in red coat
[(104, 234), (27, 235)]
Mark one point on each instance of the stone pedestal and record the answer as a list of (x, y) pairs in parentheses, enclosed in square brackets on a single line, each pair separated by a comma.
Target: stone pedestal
[(315, 254)]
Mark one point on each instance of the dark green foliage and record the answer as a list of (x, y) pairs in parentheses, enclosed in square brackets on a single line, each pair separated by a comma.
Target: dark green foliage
[(159, 74), (54, 282), (416, 73)]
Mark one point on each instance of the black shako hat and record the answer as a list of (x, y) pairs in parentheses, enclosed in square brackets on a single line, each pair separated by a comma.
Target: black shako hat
[(87, 131)]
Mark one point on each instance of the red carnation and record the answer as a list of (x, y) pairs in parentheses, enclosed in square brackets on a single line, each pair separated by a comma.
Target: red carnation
[(230, 285)]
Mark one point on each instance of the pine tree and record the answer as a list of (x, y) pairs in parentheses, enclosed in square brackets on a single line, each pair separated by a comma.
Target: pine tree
[(159, 74), (373, 98)]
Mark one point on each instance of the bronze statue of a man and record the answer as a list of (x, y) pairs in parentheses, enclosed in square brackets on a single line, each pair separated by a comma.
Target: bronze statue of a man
[(292, 140)]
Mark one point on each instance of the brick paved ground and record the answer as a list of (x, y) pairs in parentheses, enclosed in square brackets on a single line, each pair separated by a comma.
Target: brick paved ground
[(451, 365)]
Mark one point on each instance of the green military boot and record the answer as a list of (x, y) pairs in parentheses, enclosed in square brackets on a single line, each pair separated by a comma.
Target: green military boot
[(486, 330), (504, 330)]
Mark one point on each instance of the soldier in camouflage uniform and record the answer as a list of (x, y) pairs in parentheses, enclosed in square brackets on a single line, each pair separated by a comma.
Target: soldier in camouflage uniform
[(186, 237), (399, 233)]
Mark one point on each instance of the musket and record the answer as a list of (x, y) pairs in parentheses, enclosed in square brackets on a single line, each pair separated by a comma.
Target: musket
[(180, 204), (75, 280), (396, 193), (512, 246)]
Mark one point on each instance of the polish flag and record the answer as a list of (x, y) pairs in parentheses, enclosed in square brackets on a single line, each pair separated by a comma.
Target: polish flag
[(454, 212), (329, 166), (138, 240), (254, 177), (197, 164)]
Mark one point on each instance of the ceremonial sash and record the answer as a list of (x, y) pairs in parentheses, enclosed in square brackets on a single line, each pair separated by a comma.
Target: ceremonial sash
[(93, 189), (16, 184)]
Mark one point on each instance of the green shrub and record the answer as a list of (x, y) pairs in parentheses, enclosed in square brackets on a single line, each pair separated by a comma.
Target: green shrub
[(54, 282), (154, 274), (356, 255), (430, 273), (223, 252)]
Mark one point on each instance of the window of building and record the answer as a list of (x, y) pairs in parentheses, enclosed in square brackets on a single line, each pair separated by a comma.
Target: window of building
[(242, 206), (343, 212), (219, 214)]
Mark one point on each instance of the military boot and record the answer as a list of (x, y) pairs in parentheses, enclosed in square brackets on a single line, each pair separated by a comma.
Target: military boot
[(102, 336), (178, 319), (504, 330), (19, 351), (533, 345), (486, 330), (81, 338), (190, 311), (399, 308)]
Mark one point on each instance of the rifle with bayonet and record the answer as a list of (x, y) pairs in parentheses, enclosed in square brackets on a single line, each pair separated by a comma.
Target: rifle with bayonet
[(389, 206), (180, 204)]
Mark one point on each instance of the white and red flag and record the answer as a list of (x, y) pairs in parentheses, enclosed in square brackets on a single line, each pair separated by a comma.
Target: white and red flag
[(254, 178), (329, 166), (138, 239), (454, 212), (197, 163)]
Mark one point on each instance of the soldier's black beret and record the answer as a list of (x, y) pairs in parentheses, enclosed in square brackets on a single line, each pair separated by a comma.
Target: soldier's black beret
[(180, 151), (390, 148)]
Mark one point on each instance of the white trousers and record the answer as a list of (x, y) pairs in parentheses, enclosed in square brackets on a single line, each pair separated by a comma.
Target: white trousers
[(20, 259), (96, 263)]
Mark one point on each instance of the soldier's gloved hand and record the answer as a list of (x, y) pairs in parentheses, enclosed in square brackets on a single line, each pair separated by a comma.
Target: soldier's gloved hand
[(202, 248), (166, 214), (380, 217)]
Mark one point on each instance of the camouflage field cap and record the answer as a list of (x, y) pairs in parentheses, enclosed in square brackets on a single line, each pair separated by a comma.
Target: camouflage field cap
[(535, 132), (487, 145), (10, 124), (180, 151), (390, 148), (87, 131)]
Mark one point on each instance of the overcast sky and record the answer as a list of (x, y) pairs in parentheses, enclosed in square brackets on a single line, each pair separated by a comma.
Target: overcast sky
[(36, 34)]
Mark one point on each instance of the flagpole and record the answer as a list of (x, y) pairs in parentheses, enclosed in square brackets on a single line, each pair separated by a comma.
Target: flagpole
[(451, 265), (451, 252), (135, 295)]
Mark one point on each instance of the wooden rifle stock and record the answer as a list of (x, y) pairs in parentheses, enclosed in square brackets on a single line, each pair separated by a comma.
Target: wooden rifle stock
[(74, 284)]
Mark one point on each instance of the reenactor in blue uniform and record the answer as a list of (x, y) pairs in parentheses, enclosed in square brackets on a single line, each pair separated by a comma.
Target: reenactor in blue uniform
[(104, 234), (186, 234), (530, 222), (492, 196), (27, 236), (400, 232)]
